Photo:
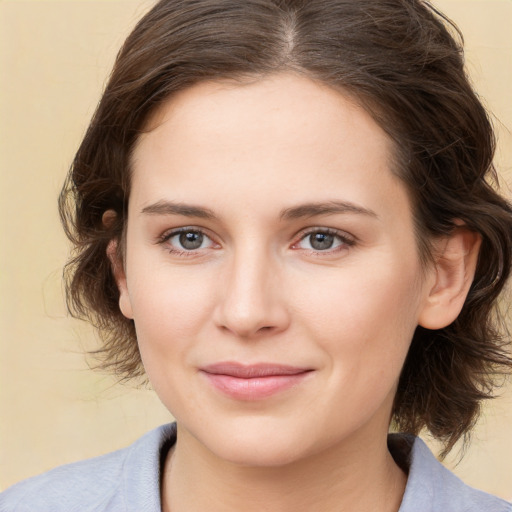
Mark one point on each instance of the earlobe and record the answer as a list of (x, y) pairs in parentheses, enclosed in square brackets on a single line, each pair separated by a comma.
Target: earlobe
[(454, 269), (120, 276)]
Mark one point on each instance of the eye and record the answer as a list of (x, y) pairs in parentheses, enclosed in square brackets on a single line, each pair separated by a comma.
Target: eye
[(323, 240), (187, 240)]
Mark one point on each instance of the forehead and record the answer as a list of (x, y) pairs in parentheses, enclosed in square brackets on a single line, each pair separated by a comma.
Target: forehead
[(282, 138), (285, 102)]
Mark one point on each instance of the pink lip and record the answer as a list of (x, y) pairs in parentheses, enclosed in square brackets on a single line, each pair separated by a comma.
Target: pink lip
[(253, 382)]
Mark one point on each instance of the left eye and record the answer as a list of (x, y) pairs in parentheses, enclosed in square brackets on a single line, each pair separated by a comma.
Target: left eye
[(189, 240), (321, 241)]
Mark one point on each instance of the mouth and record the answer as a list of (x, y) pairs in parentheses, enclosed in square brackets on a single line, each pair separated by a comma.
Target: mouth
[(253, 382)]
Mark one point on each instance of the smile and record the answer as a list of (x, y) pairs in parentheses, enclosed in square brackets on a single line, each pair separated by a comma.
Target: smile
[(253, 382)]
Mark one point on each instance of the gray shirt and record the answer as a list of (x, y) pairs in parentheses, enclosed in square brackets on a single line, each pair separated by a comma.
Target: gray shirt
[(128, 480)]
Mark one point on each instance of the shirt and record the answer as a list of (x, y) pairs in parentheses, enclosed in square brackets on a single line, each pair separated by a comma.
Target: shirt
[(128, 480)]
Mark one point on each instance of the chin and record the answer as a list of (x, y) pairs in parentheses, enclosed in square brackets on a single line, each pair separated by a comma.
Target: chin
[(255, 443), (259, 452)]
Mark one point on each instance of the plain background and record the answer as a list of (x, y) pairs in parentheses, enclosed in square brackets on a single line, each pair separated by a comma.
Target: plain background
[(54, 60)]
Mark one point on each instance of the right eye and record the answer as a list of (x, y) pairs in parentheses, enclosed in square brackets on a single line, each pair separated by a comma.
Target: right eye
[(187, 240)]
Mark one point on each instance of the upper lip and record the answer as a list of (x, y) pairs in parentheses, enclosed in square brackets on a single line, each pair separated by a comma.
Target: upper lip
[(243, 371)]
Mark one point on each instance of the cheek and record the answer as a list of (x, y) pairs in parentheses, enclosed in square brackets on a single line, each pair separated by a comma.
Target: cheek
[(364, 319), (170, 307), (170, 312)]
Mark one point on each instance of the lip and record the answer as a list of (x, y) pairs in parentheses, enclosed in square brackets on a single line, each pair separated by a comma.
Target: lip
[(253, 382)]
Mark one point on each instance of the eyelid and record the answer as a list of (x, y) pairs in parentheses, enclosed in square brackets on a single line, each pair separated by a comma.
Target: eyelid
[(170, 233), (347, 239)]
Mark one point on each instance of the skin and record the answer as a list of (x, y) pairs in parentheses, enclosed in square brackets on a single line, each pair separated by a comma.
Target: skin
[(248, 158)]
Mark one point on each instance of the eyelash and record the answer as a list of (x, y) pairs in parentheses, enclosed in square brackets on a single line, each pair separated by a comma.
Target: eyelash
[(345, 239), (166, 237)]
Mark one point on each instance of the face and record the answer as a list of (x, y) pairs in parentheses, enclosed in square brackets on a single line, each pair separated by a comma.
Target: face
[(271, 269)]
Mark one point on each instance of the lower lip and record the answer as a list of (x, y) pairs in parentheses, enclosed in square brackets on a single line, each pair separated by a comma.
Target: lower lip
[(255, 388)]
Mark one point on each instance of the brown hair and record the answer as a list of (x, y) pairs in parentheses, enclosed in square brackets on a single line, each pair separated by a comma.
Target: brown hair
[(398, 58)]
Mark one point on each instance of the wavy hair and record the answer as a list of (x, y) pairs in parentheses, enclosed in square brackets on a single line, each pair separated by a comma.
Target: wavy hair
[(403, 62)]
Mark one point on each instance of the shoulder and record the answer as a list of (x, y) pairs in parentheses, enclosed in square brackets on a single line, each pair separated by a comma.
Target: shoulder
[(124, 480), (434, 487)]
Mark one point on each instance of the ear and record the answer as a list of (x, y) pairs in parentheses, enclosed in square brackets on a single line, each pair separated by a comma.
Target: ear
[(454, 269), (116, 261)]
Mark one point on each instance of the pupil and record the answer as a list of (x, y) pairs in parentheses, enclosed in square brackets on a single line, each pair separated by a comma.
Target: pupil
[(321, 241), (191, 240)]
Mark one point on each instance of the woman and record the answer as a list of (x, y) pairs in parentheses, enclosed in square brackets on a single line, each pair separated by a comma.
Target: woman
[(282, 215)]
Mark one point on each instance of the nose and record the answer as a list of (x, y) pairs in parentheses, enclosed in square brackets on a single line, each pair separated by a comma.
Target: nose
[(252, 300)]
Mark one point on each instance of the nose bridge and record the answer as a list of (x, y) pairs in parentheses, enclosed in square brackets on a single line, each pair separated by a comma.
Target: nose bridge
[(251, 302)]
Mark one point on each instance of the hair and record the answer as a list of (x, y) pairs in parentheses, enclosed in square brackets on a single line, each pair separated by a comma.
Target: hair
[(399, 59)]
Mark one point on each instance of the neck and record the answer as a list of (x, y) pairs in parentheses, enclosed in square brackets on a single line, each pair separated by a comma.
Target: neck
[(357, 476)]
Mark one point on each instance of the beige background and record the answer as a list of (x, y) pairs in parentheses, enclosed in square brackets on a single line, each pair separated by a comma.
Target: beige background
[(54, 58)]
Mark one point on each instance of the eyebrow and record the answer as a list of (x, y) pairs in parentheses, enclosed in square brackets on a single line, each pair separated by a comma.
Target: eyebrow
[(296, 212), (328, 208), (171, 208)]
